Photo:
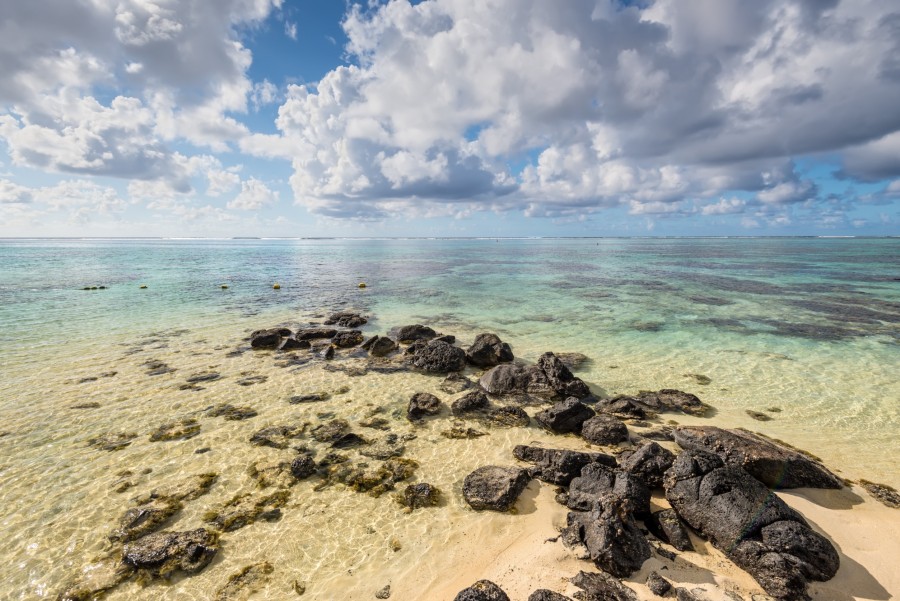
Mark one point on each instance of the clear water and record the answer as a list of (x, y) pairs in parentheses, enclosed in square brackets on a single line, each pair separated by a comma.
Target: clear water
[(808, 326)]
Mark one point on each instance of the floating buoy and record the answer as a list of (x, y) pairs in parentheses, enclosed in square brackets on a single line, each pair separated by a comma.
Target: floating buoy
[(143, 286), (224, 286), (277, 286), (362, 284)]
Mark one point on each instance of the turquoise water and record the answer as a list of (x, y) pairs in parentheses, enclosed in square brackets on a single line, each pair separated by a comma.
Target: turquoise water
[(805, 326)]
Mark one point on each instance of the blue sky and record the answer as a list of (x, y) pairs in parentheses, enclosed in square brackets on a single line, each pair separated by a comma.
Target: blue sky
[(449, 117)]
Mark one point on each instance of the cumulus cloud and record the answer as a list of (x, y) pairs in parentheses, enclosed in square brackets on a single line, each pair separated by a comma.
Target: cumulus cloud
[(12, 193), (616, 105), (725, 206), (254, 195)]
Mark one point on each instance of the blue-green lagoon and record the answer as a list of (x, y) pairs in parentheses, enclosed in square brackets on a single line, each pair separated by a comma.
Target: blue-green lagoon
[(803, 331)]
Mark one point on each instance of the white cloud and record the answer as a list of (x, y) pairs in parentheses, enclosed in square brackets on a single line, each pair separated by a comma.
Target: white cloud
[(290, 30), (12, 193), (254, 195), (725, 206)]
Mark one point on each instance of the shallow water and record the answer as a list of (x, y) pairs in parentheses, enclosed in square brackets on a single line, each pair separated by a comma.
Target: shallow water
[(807, 326)]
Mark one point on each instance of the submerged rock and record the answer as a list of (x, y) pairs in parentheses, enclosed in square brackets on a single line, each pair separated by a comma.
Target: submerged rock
[(558, 466), (382, 346), (755, 528), (620, 406), (772, 464), (565, 417), (315, 333), (244, 509), (232, 413), (468, 403), (422, 404), (346, 319), (483, 590), (165, 553), (494, 487), (331, 432), (268, 339), (112, 442), (277, 437), (242, 584), (303, 467), (180, 430), (456, 383), (670, 400), (488, 350), (419, 495), (460, 432), (145, 519)]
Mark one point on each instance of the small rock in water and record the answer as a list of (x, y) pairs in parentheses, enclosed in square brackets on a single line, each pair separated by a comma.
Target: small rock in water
[(251, 380), (346, 319), (86, 406), (422, 404), (112, 442), (566, 416), (758, 416), (419, 495), (459, 432), (277, 437), (180, 430), (244, 583), (164, 553), (232, 413), (494, 487), (314, 397), (456, 383), (700, 378), (384, 593)]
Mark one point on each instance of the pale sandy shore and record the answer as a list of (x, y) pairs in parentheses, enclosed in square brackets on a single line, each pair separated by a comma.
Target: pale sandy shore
[(865, 532)]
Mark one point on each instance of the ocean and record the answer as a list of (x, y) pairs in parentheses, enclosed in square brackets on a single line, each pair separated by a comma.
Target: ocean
[(803, 332)]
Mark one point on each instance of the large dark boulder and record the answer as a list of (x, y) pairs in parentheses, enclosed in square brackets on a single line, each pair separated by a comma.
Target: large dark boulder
[(165, 553), (598, 586), (488, 350), (772, 464), (422, 404), (483, 590), (407, 334), (549, 378), (315, 333), (755, 528), (438, 357), (561, 379), (559, 466), (598, 480), (469, 403), (613, 539), (565, 417), (545, 595), (649, 463), (268, 339), (494, 487), (347, 339), (382, 346), (346, 319), (292, 344), (667, 527), (604, 430), (669, 400)]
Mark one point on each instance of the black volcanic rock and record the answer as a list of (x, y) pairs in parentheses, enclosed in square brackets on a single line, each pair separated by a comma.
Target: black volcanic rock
[(488, 350), (494, 487), (772, 464), (565, 417)]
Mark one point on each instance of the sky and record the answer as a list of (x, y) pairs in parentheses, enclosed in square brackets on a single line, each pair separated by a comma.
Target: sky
[(295, 118)]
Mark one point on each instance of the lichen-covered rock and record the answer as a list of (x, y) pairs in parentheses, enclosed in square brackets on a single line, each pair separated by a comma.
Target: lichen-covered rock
[(419, 495), (604, 430), (483, 590), (565, 417), (755, 528), (559, 466), (649, 463), (667, 527), (488, 350), (774, 465), (438, 357), (165, 553), (494, 487), (422, 404)]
